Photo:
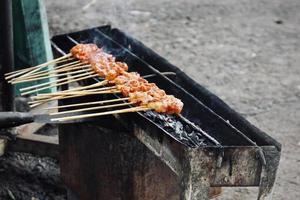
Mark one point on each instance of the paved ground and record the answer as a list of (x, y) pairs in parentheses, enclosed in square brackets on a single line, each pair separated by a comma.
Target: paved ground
[(247, 52)]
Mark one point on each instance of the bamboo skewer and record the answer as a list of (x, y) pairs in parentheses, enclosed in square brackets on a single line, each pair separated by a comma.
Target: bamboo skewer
[(72, 96), (47, 63), (92, 108), (35, 87), (30, 68), (80, 88), (42, 75), (46, 96), (23, 71), (87, 103), (38, 103), (45, 74), (55, 82), (52, 71), (81, 77), (35, 103), (56, 75), (126, 110), (38, 67)]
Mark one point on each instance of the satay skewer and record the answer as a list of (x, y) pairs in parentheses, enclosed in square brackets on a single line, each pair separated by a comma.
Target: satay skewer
[(46, 96), (56, 80), (92, 108), (46, 64), (104, 65), (34, 67), (11, 74), (126, 110), (55, 71), (39, 67), (65, 92), (45, 74), (78, 78), (87, 103), (73, 89), (33, 103)]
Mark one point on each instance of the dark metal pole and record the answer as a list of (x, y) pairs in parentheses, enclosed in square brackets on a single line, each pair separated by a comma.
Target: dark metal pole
[(8, 53)]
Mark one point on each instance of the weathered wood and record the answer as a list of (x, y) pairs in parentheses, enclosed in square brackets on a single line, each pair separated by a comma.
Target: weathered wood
[(102, 163), (31, 36)]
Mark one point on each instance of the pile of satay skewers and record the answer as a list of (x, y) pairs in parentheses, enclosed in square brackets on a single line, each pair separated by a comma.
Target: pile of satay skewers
[(87, 61)]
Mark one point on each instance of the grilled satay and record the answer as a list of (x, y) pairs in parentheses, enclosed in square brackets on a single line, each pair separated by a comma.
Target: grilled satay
[(102, 63), (143, 93), (131, 85), (83, 51), (138, 90)]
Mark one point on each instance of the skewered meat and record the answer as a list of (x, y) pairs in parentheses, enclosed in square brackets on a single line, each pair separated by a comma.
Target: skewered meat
[(83, 51), (168, 104), (132, 85), (148, 94)]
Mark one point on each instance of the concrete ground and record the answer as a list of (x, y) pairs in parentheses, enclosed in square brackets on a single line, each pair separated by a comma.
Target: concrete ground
[(246, 52)]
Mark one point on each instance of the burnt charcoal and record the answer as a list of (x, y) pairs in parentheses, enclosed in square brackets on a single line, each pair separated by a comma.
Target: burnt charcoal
[(178, 129), (188, 129)]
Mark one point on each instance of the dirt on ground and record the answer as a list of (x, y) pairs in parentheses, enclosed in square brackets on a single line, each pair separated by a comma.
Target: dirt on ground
[(246, 52)]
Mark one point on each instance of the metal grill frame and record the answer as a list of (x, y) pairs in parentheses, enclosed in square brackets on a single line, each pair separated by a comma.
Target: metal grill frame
[(218, 167)]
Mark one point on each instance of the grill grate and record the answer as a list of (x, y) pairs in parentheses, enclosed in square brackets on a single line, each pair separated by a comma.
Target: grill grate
[(221, 133)]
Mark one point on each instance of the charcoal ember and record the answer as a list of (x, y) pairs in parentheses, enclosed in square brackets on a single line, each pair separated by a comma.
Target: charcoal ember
[(178, 129)]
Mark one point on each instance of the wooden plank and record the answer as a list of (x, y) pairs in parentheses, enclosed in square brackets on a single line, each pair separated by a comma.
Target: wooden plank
[(31, 36)]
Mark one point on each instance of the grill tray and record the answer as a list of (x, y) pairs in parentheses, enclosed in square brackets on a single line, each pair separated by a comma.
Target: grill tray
[(143, 60)]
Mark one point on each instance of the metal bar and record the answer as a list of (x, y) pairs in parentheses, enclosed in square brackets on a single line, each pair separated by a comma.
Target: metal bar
[(8, 54), (259, 149), (58, 49), (72, 40), (194, 126)]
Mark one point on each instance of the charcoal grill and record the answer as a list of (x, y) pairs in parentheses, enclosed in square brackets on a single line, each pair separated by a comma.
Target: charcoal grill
[(136, 156)]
